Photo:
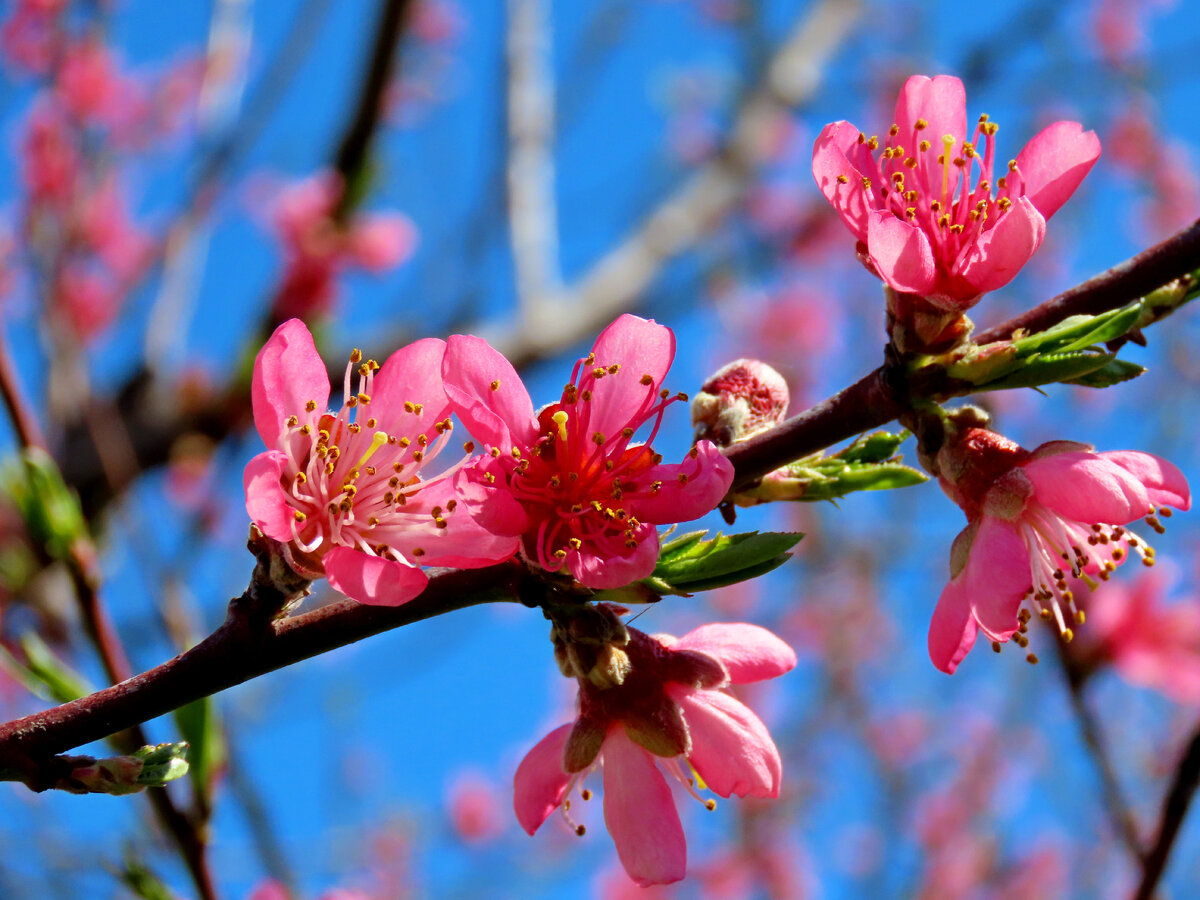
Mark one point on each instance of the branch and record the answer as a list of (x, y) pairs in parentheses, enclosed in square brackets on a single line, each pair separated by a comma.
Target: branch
[(1174, 809), (615, 281)]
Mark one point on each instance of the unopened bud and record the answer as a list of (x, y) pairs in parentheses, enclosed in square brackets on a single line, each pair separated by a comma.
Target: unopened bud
[(738, 401)]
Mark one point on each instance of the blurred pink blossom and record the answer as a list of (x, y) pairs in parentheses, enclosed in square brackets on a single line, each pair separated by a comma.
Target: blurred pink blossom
[(475, 807)]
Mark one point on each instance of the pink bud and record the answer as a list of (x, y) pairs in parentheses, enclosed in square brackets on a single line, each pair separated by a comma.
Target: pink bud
[(743, 398)]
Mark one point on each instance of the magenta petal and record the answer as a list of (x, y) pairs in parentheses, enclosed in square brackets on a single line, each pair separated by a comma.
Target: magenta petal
[(748, 652), (941, 101), (709, 475), (500, 416), (412, 375), (996, 577), (266, 501), (952, 630), (1088, 488), (540, 782), (465, 542), (1002, 250), (605, 570), (640, 347), (1054, 162), (832, 155), (1164, 483), (640, 814), (731, 747), (288, 373), (372, 579), (901, 253)]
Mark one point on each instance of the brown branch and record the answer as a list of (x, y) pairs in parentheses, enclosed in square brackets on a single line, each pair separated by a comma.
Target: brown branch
[(1174, 810)]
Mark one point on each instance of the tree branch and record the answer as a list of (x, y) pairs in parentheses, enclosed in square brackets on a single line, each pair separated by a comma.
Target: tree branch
[(1174, 809)]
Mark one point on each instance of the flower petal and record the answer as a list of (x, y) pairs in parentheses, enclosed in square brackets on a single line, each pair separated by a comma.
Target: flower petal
[(952, 630), (1054, 162), (640, 814), (540, 782), (1000, 252), (833, 152), (266, 500), (941, 101), (1088, 488), (288, 373), (372, 579), (501, 416), (748, 652), (465, 542), (411, 375), (641, 347), (709, 475), (731, 747), (1164, 483), (997, 577), (901, 253), (600, 569)]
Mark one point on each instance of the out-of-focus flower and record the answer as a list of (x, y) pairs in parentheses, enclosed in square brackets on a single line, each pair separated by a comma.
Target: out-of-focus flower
[(927, 223), (475, 808), (343, 490), (318, 248), (1119, 26), (50, 160), (30, 36), (1035, 519), (661, 704), (87, 299), (579, 491)]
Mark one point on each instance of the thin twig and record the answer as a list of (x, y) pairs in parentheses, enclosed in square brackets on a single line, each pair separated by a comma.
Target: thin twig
[(1174, 810)]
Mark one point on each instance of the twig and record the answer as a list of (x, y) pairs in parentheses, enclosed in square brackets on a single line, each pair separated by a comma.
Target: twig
[(1174, 809), (1119, 813), (532, 215)]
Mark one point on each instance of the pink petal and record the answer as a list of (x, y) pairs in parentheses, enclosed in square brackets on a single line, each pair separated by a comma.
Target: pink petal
[(731, 747), (640, 347), (901, 253), (1054, 162), (540, 782), (599, 571), (709, 475), (640, 814), (1002, 250), (832, 154), (500, 417), (383, 242), (941, 101), (465, 542), (1088, 488), (952, 630), (288, 372), (266, 501), (748, 652), (996, 577), (372, 579), (412, 374), (1164, 483)]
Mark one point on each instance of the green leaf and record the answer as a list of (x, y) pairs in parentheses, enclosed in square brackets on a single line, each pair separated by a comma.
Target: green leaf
[(863, 477), (1106, 327), (724, 559), (48, 507), (162, 763), (198, 726), (873, 448), (1114, 372), (1048, 368), (44, 674)]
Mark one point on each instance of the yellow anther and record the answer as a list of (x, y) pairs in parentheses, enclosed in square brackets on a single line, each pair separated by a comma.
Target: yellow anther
[(355, 355), (310, 405), (842, 179), (495, 385)]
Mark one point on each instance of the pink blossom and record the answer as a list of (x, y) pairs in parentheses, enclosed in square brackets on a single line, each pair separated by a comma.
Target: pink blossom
[(50, 160), (576, 488), (30, 36), (318, 247), (925, 228), (87, 299), (1149, 642), (1034, 520), (103, 223), (88, 83), (343, 490), (670, 709), (474, 805)]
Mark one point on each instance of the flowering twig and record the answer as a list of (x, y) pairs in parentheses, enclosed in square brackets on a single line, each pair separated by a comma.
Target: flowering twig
[(1174, 809)]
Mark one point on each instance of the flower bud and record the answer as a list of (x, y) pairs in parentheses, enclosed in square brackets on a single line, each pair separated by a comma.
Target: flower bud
[(738, 401)]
